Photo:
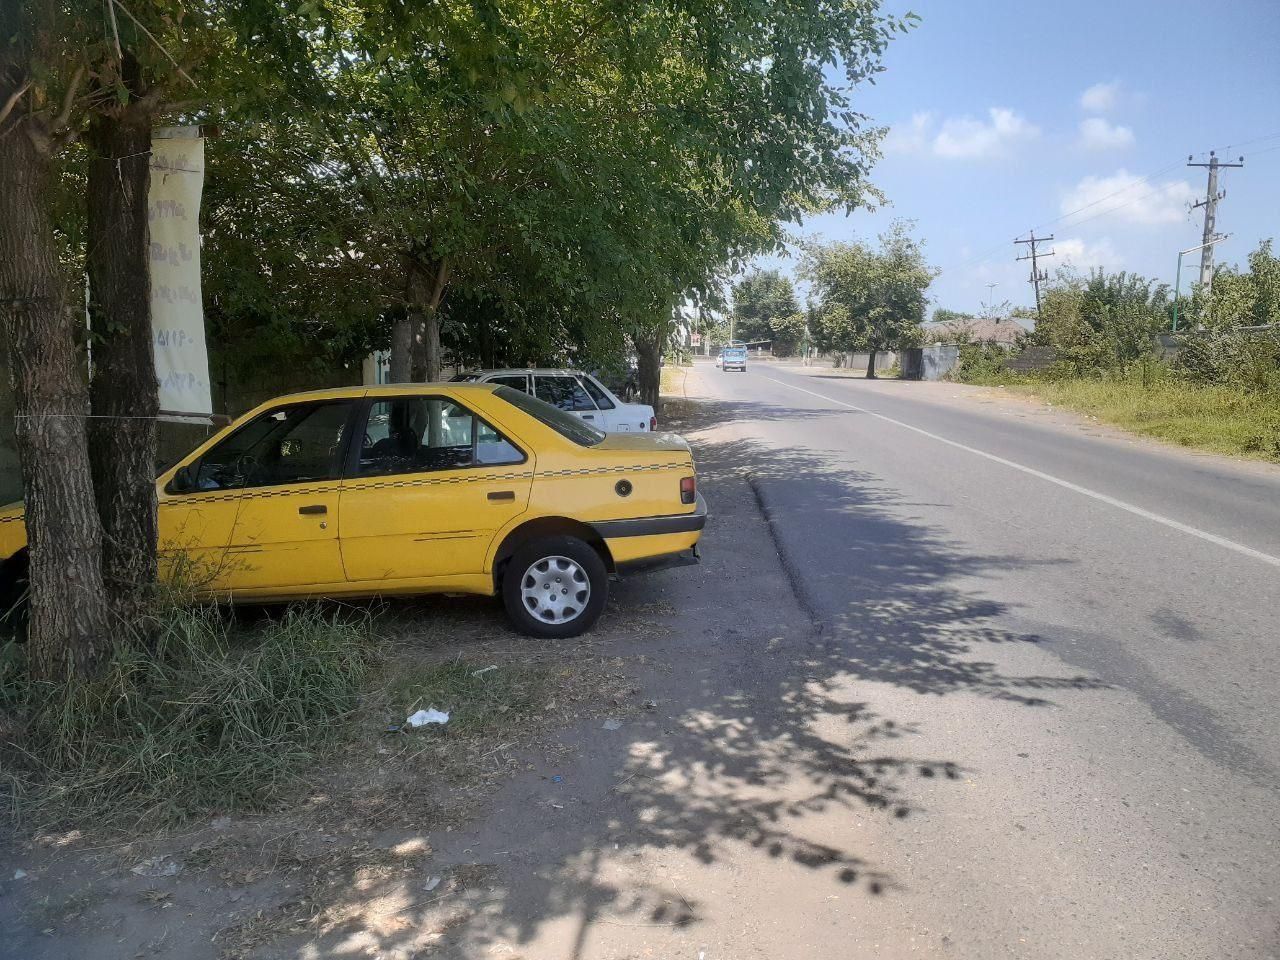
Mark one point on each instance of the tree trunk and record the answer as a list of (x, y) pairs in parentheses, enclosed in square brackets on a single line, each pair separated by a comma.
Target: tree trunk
[(123, 391), (415, 341), (871, 363), (69, 614), (400, 367), (649, 357)]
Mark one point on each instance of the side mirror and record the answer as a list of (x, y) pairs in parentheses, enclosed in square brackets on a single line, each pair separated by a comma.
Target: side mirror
[(184, 481)]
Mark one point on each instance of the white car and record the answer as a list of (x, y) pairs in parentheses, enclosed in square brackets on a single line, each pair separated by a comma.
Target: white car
[(576, 392)]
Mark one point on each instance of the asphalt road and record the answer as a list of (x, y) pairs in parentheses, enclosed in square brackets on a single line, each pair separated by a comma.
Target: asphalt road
[(956, 678), (1075, 639)]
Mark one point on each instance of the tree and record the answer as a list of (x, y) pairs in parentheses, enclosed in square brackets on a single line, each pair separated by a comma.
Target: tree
[(68, 624), (1106, 321), (1241, 298), (943, 315), (868, 298), (123, 390), (762, 302)]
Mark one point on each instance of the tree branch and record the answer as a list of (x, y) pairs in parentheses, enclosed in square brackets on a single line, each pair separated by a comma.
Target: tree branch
[(152, 37), (63, 118), (13, 101)]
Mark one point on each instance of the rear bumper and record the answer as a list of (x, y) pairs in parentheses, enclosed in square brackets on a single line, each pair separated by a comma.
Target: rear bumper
[(685, 558), (646, 543), (654, 526)]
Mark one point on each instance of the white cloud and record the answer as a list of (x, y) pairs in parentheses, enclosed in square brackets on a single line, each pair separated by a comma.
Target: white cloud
[(910, 137), (1084, 255), (1130, 199), (1098, 134), (1101, 97), (967, 138)]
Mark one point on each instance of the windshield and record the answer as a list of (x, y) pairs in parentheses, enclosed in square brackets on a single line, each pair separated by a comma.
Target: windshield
[(565, 424)]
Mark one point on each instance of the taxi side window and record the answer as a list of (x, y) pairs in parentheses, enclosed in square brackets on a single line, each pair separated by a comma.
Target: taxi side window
[(563, 392), (422, 434), (296, 444)]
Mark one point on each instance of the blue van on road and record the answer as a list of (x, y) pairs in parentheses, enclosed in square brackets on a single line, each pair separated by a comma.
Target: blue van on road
[(734, 358)]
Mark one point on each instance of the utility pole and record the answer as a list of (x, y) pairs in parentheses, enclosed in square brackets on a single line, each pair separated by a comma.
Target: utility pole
[(1038, 276), (1210, 204)]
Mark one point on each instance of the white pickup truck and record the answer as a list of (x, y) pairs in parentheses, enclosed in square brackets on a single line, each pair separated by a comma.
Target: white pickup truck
[(575, 392)]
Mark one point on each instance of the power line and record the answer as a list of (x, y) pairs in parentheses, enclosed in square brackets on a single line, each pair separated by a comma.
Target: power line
[(1245, 143), (1125, 189), (986, 254)]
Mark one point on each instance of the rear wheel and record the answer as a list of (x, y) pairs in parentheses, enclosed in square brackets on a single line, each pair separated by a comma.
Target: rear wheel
[(555, 587)]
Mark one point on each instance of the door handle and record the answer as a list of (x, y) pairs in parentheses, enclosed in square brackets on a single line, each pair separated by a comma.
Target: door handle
[(588, 416), (313, 508), (502, 495)]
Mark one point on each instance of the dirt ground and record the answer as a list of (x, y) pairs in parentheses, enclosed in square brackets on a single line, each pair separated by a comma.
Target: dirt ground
[(350, 852)]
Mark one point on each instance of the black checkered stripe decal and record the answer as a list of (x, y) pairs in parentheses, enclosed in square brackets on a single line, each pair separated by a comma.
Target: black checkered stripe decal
[(593, 471), (436, 481), (431, 481)]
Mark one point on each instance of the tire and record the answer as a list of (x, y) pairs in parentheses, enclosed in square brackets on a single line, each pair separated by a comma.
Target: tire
[(565, 560), (15, 606)]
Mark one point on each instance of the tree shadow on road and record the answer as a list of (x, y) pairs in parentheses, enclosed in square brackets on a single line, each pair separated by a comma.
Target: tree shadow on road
[(761, 747)]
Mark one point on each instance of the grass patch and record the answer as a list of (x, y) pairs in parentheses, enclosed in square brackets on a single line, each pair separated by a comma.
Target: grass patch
[(204, 718), (1219, 419), (673, 380), (480, 701)]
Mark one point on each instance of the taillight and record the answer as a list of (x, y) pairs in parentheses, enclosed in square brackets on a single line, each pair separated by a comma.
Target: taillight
[(688, 489), (653, 423)]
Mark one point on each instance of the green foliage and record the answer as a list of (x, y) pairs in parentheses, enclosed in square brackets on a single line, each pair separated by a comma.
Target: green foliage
[(943, 315), (764, 305), (1239, 299), (986, 363), (868, 298), (1244, 360), (1105, 322), (200, 720)]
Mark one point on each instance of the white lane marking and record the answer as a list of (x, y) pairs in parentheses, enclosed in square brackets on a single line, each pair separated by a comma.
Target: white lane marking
[(1065, 484)]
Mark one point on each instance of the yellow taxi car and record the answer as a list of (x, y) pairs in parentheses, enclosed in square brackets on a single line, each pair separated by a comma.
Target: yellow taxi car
[(424, 488)]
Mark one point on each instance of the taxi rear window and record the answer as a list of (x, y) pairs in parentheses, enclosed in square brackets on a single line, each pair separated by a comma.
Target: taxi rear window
[(565, 424)]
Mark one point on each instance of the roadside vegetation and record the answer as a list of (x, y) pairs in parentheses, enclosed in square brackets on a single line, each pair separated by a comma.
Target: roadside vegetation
[(219, 715), (1213, 385), (201, 717)]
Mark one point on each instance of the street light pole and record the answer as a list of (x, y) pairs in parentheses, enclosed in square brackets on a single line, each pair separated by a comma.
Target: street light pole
[(1177, 282)]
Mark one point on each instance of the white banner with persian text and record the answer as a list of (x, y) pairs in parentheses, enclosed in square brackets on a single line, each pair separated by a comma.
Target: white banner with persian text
[(177, 312)]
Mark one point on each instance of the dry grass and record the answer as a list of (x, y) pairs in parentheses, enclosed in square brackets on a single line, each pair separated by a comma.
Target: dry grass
[(1218, 419)]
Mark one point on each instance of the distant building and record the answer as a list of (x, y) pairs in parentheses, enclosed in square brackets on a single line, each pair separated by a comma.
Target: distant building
[(1006, 332)]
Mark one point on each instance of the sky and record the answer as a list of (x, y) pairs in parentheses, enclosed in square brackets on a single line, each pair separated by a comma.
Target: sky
[(1008, 115)]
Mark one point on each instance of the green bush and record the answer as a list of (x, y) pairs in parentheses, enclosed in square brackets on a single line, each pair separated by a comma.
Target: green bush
[(986, 363), (203, 717), (1246, 360)]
